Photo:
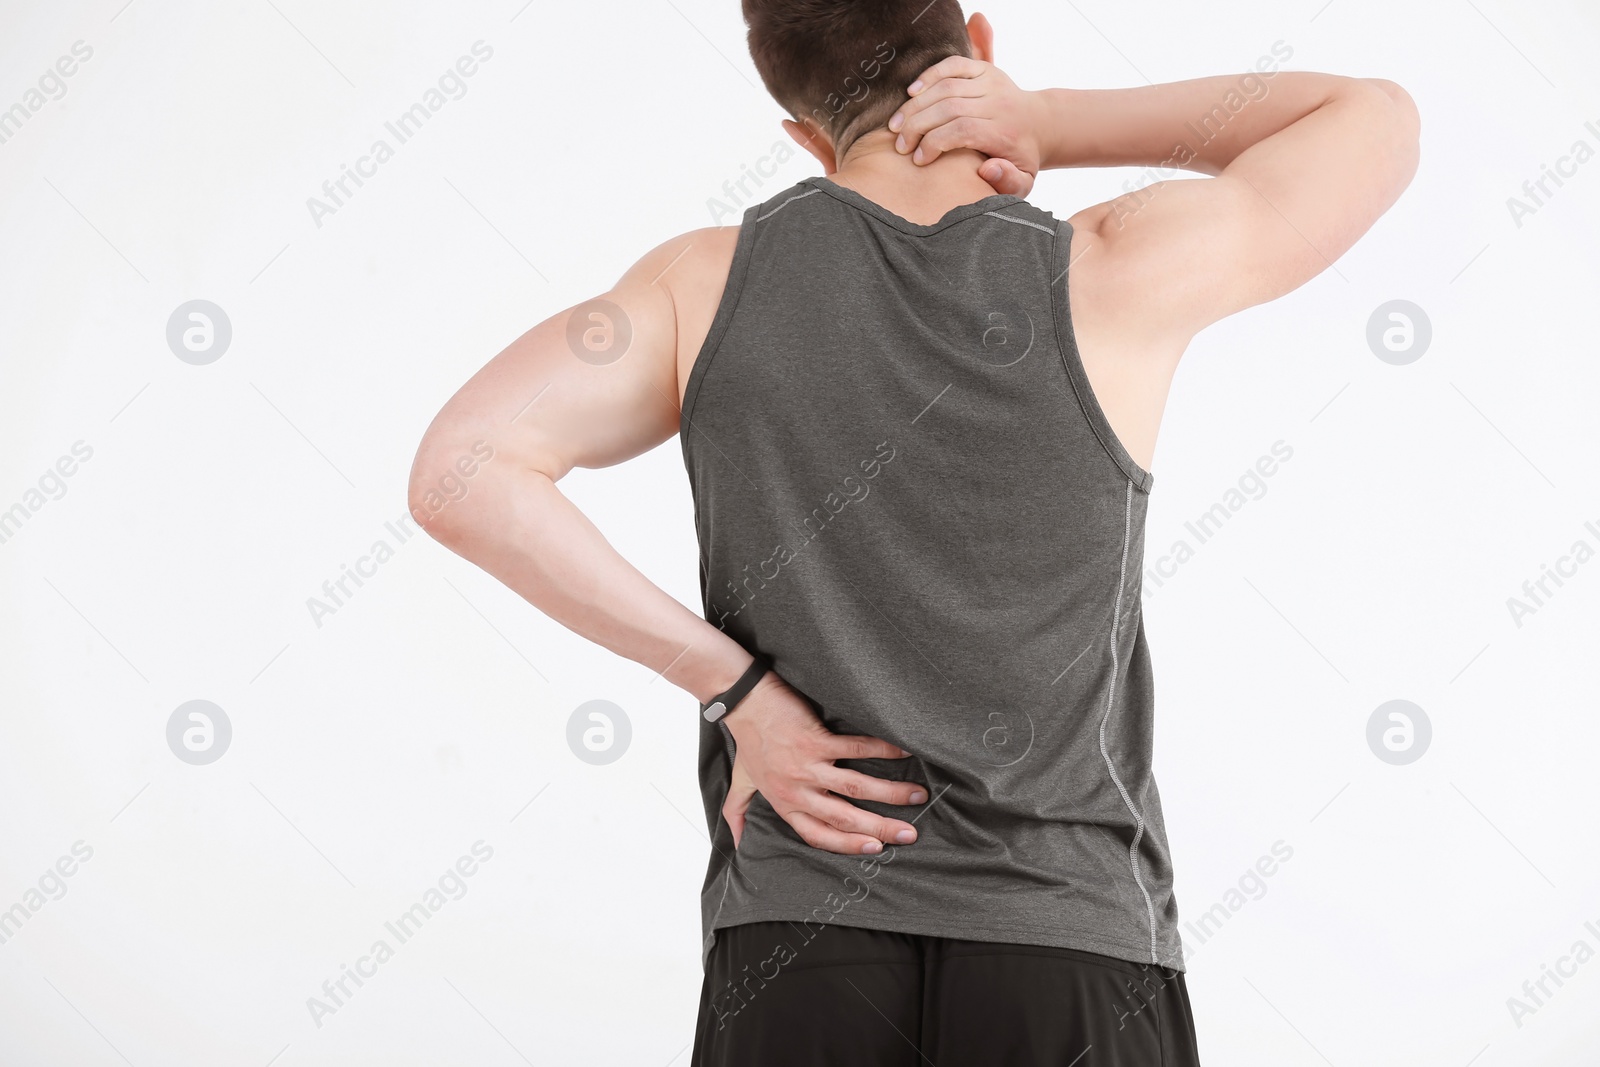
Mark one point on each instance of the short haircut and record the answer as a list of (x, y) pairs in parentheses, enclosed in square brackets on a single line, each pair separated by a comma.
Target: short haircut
[(846, 63)]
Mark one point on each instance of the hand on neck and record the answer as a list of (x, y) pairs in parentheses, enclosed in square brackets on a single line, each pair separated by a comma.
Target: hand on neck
[(922, 193)]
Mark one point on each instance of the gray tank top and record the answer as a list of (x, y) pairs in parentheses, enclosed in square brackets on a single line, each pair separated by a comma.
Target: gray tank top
[(908, 497)]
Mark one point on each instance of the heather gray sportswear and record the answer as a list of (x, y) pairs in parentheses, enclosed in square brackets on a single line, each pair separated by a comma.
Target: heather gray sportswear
[(907, 496)]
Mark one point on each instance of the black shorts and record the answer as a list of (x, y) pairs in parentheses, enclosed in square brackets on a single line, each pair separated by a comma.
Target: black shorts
[(780, 994)]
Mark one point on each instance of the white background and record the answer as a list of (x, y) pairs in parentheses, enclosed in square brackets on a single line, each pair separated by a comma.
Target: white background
[(371, 752)]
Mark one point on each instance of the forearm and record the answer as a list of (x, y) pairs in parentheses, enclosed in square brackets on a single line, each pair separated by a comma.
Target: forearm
[(1200, 125), (520, 528)]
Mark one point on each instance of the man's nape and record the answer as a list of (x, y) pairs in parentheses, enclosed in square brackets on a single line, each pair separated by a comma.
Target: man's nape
[(872, 166)]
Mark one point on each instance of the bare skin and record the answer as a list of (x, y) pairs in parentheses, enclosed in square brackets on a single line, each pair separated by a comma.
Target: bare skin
[(1296, 177)]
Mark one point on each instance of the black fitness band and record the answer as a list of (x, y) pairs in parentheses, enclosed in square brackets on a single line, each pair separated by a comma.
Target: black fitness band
[(725, 703)]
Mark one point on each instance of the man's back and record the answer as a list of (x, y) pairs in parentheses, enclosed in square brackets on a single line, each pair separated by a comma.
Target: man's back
[(908, 497)]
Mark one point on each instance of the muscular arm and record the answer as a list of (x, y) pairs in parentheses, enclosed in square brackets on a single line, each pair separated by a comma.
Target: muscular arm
[(544, 410), (1202, 124), (1298, 175)]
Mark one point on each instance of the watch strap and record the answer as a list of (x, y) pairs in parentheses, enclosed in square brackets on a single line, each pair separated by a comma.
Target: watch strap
[(726, 702)]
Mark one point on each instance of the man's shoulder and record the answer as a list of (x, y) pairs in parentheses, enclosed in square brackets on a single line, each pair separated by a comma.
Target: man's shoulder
[(691, 271), (693, 266)]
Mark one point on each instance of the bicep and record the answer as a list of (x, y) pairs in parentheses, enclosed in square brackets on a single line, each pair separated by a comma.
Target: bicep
[(1277, 216)]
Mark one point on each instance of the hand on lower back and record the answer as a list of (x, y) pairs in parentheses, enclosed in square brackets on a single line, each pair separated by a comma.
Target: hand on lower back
[(967, 103), (786, 754)]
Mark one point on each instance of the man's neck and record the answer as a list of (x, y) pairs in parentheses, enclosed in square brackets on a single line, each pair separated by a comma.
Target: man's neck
[(919, 193)]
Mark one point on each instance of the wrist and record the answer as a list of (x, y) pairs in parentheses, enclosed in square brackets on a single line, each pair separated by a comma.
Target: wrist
[(729, 701), (739, 713), (1050, 111), (706, 673)]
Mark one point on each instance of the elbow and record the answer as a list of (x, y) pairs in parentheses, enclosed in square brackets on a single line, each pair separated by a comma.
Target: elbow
[(441, 479), (1398, 125), (1393, 90), (422, 491), (1402, 106)]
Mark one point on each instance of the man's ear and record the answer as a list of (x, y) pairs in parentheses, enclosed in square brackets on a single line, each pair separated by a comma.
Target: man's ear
[(813, 140), (981, 34)]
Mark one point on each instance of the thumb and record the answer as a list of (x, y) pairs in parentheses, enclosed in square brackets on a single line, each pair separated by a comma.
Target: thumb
[(1006, 177), (738, 802)]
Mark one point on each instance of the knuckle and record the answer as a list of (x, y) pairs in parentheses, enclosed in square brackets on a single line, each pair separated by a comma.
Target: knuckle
[(919, 123), (846, 818)]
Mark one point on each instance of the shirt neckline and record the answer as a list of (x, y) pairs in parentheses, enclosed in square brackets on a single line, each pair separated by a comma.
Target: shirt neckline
[(956, 214)]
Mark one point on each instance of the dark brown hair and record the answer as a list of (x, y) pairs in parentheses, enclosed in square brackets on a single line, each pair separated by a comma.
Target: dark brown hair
[(846, 63)]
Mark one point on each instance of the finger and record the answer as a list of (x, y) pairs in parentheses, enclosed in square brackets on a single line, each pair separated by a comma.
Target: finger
[(858, 746), (818, 834), (858, 786), (735, 806), (949, 89), (1006, 177), (957, 133), (948, 67), (846, 817), (918, 124)]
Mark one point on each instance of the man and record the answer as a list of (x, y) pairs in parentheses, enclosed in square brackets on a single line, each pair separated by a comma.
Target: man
[(918, 415)]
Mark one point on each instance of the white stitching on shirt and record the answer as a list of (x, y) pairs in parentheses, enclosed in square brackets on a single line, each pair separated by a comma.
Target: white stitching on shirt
[(1020, 222), (1116, 627), (786, 203)]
